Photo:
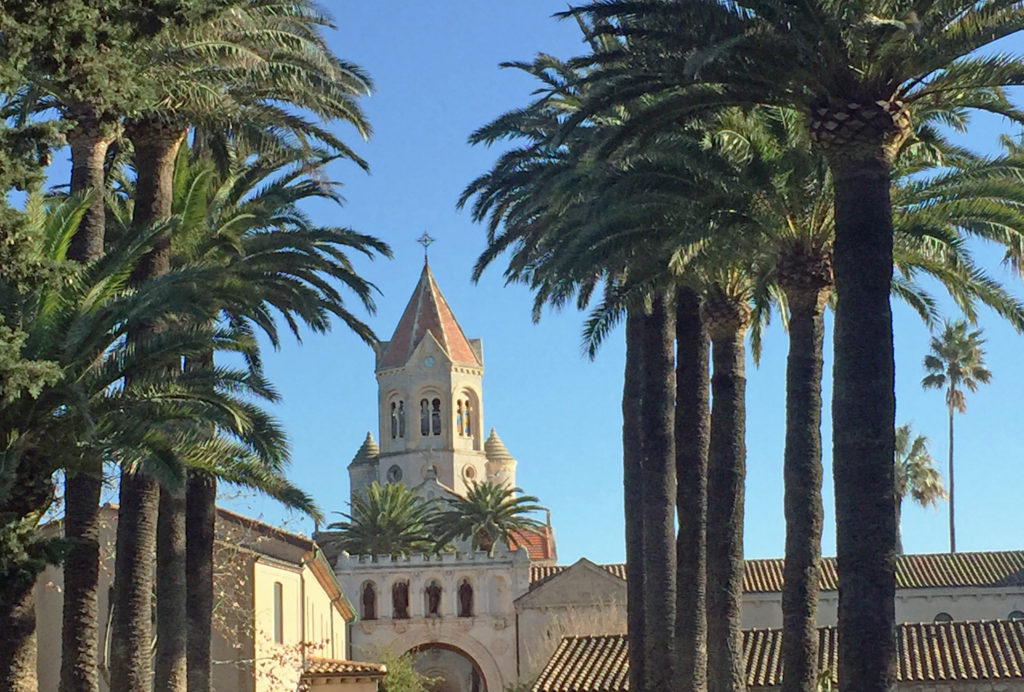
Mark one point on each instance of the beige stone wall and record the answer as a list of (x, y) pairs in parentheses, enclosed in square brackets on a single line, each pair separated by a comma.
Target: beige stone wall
[(459, 459), (585, 599), (761, 611), (243, 614), (488, 637), (345, 686)]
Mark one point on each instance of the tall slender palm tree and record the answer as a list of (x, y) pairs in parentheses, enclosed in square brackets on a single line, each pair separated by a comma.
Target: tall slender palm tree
[(860, 72), (244, 224), (956, 363), (489, 514), (916, 475), (245, 78)]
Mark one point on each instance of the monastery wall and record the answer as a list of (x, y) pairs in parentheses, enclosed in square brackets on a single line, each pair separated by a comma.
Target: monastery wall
[(439, 616), (764, 611)]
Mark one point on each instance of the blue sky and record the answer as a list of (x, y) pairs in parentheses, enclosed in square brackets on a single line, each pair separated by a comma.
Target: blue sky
[(436, 70)]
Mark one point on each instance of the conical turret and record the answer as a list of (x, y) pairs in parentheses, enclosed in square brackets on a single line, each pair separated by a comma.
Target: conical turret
[(363, 470), (501, 465)]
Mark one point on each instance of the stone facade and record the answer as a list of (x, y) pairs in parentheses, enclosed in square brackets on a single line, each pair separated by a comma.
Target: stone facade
[(474, 616)]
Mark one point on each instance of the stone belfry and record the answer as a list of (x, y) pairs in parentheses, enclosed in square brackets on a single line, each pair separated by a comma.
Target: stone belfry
[(430, 404)]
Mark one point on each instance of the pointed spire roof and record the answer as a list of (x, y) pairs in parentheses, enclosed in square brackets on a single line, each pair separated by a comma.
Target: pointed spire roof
[(368, 451), (494, 448), (427, 311)]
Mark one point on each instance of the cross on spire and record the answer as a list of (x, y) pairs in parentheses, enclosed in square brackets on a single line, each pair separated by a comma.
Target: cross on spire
[(425, 240)]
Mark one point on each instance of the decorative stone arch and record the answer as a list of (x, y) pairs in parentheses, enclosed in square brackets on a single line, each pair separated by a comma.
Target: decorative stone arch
[(464, 644), (463, 397), (369, 600), (466, 602), (430, 394), (395, 419)]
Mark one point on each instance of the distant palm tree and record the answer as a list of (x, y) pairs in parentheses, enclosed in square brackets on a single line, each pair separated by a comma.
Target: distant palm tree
[(956, 363), (487, 515), (916, 475), (389, 519)]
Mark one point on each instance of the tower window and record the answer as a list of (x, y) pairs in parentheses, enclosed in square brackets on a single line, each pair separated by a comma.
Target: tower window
[(400, 600), (424, 418), (369, 601), (397, 419), (463, 422), (433, 599), (943, 617), (435, 417), (465, 599), (1016, 615), (278, 613)]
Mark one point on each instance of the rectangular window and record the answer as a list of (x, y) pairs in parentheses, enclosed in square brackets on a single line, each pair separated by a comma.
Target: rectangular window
[(278, 613)]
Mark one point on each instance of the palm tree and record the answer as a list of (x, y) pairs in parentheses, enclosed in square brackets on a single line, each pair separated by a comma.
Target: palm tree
[(860, 72), (956, 362), (246, 77), (73, 325), (489, 514), (727, 314), (389, 519), (916, 475), (244, 224)]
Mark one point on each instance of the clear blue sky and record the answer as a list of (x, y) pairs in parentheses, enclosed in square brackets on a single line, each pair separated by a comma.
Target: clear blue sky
[(436, 70)]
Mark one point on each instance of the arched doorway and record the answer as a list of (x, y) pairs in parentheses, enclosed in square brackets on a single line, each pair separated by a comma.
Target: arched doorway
[(452, 668)]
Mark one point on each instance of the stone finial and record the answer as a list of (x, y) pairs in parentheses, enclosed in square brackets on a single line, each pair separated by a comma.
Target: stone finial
[(494, 448), (368, 451)]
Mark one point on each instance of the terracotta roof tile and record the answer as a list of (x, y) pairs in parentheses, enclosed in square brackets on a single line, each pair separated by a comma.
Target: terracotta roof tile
[(930, 652), (324, 669), (539, 544), (427, 311), (998, 568)]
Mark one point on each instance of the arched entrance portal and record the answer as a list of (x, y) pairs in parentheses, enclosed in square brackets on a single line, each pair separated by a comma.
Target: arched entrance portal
[(452, 668)]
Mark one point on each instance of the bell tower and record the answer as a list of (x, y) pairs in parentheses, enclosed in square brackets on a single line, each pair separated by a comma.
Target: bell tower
[(430, 402)]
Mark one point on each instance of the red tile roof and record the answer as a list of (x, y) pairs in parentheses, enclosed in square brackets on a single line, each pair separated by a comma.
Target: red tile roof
[(939, 570), (427, 311), (539, 544), (327, 670), (930, 652)]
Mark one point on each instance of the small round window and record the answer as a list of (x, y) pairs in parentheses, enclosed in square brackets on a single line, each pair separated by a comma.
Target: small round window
[(394, 474), (1016, 615), (469, 472), (943, 617)]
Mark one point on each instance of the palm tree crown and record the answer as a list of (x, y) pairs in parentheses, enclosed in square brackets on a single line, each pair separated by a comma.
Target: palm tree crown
[(957, 363), (916, 475), (389, 520), (488, 514)]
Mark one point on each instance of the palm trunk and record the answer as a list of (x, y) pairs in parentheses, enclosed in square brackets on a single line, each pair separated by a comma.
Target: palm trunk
[(802, 474), (80, 625), (633, 494), (200, 517), (726, 476), (156, 145), (659, 479), (952, 524), (863, 415), (18, 643), (691, 442), (171, 622), (25, 494)]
